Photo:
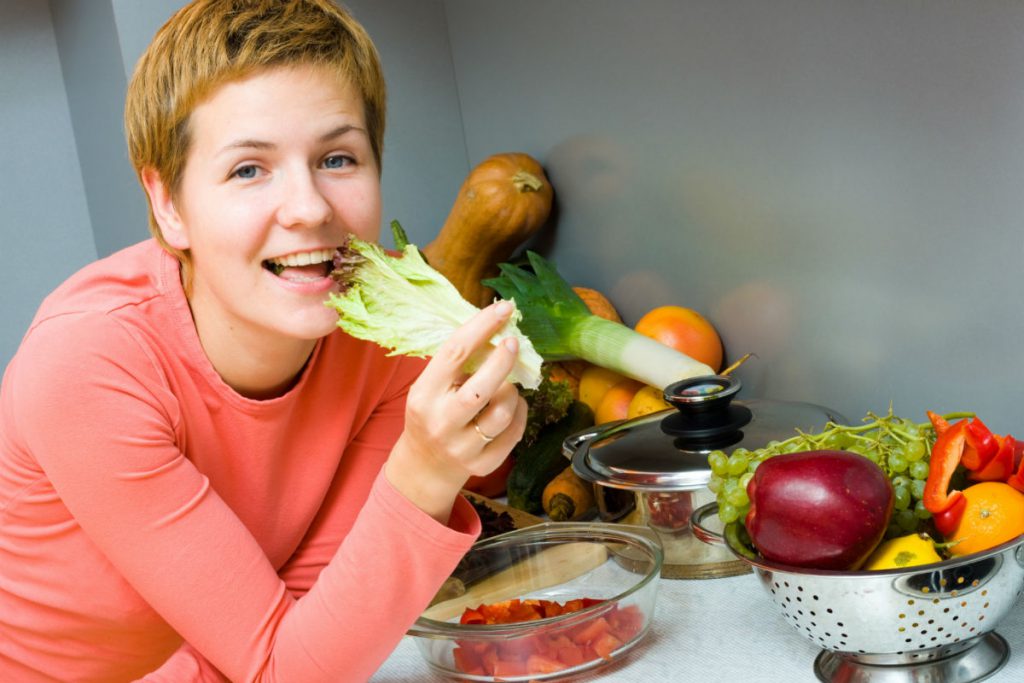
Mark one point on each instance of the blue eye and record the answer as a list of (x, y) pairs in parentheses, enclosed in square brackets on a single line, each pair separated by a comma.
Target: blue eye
[(245, 172), (337, 161)]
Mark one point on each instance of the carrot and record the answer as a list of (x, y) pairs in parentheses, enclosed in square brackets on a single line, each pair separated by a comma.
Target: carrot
[(567, 498)]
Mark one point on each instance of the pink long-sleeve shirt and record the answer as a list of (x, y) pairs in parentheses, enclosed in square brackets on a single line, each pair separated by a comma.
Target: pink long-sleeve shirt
[(148, 511)]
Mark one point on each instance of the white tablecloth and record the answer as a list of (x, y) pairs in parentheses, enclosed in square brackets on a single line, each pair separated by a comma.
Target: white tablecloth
[(714, 630)]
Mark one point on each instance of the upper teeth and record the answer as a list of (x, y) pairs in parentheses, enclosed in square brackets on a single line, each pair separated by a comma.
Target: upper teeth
[(303, 258)]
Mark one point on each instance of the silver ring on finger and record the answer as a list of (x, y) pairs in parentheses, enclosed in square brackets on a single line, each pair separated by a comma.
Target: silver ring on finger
[(485, 437)]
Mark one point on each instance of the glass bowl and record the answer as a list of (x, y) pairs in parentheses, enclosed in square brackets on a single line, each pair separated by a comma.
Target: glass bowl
[(615, 567)]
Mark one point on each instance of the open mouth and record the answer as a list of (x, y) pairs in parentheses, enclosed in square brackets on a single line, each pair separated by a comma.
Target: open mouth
[(302, 266)]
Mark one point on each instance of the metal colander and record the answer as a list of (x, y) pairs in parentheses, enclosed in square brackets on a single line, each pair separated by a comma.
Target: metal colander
[(935, 619)]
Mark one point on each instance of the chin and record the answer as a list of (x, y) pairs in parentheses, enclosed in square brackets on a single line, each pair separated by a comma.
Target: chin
[(312, 327)]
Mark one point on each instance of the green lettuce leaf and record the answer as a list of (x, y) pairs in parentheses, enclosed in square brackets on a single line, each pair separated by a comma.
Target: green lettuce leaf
[(402, 304)]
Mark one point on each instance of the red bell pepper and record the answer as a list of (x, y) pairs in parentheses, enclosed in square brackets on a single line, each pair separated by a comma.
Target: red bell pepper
[(1016, 480), (946, 454), (982, 446), (1000, 466), (947, 521)]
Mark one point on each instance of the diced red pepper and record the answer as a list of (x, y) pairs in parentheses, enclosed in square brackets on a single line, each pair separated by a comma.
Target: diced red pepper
[(472, 616), (1000, 466)]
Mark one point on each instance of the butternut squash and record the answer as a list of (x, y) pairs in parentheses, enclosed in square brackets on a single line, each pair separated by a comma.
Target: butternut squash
[(502, 202)]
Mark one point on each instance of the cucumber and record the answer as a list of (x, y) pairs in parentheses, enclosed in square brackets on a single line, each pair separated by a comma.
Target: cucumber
[(541, 461)]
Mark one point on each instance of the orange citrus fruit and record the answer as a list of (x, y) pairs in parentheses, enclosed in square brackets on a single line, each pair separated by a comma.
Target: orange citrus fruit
[(557, 372), (595, 382), (614, 404), (598, 304), (685, 330), (647, 400), (994, 514)]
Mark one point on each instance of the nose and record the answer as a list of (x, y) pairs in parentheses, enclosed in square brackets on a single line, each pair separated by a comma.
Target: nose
[(302, 202)]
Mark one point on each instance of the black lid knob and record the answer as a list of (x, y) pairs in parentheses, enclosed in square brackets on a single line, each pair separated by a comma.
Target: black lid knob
[(704, 408)]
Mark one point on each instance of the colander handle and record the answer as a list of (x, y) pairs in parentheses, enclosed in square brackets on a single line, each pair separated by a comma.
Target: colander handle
[(699, 528)]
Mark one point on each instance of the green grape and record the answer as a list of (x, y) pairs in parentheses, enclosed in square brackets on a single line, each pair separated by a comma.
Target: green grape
[(715, 484), (920, 511), (871, 454), (719, 463), (728, 513), (900, 480), (917, 489), (738, 497), (919, 469), (906, 519), (745, 480), (901, 497), (738, 461), (897, 463), (836, 440), (916, 450)]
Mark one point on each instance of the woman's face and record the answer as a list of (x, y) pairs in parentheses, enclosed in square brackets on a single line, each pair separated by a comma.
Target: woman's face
[(279, 171)]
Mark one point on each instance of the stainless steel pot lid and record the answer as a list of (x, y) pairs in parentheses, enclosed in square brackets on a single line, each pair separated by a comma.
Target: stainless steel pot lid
[(668, 451)]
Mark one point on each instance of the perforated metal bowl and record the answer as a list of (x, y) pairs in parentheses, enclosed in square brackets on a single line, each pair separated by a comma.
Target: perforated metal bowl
[(932, 622)]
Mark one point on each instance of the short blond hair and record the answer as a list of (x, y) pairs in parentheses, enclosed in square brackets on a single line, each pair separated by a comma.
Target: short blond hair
[(209, 43)]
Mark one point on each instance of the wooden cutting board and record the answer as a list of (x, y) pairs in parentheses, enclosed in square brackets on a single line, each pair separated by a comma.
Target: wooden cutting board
[(548, 567), (519, 517)]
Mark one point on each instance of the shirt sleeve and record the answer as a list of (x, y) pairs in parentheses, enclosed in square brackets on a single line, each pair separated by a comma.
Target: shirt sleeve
[(117, 468)]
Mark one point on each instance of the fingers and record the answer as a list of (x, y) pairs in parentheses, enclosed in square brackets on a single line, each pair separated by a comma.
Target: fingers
[(501, 442), (499, 413), (470, 341)]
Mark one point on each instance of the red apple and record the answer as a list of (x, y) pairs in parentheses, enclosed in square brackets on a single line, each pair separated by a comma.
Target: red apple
[(818, 509)]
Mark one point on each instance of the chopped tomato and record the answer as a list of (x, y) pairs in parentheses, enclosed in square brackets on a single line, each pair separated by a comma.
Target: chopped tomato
[(542, 664), (605, 645), (510, 667), (591, 631), (538, 654)]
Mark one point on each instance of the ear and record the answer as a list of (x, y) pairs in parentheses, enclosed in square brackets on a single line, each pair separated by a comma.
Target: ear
[(172, 227)]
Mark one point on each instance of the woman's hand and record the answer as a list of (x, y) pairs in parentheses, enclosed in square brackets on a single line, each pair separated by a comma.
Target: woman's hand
[(458, 424)]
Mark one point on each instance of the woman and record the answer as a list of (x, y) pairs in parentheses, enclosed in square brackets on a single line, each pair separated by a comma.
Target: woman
[(201, 476)]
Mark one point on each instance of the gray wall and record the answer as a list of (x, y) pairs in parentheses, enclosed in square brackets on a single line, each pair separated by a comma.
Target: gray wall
[(45, 232), (834, 183)]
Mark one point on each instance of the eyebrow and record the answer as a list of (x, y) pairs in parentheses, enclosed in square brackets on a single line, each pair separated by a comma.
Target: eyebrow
[(263, 144)]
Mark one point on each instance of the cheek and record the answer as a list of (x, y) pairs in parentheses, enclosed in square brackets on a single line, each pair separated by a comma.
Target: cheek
[(362, 213), (218, 227)]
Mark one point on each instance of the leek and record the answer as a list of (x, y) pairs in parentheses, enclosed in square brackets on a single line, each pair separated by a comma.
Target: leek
[(402, 304), (561, 327)]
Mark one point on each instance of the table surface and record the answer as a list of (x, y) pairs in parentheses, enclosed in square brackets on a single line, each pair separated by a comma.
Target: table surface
[(713, 630)]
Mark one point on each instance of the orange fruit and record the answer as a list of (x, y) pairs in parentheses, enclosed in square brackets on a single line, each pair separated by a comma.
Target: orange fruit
[(994, 514), (598, 304), (614, 404), (556, 372), (647, 400), (595, 382), (685, 330)]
